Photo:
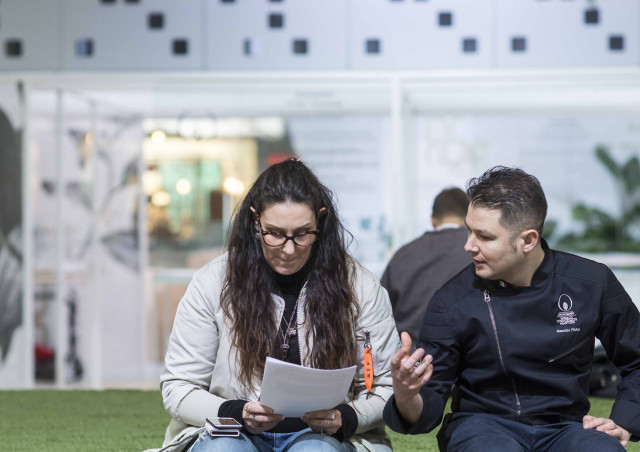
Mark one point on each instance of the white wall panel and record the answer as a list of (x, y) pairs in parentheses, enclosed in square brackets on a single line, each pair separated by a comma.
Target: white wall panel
[(121, 36), (414, 34), (29, 34), (567, 33), (260, 34)]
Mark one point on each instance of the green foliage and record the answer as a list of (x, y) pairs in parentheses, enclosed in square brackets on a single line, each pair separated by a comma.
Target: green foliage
[(111, 421), (602, 232)]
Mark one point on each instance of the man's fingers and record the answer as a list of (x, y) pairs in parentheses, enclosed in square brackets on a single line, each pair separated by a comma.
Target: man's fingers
[(397, 359), (411, 361), (594, 422), (422, 374), (405, 339), (427, 375)]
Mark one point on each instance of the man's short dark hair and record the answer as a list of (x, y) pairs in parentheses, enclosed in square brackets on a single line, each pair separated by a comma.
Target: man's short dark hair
[(450, 202), (517, 195)]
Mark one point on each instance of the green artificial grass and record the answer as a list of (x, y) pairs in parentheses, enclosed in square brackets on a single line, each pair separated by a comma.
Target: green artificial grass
[(111, 421)]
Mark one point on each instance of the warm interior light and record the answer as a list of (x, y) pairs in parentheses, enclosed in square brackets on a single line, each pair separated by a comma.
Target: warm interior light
[(233, 186), (161, 198), (158, 137), (151, 181), (183, 187)]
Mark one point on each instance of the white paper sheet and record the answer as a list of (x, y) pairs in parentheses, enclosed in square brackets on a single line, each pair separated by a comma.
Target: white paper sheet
[(293, 390)]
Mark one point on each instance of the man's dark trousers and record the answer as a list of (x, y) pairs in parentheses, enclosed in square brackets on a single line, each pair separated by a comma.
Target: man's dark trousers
[(487, 433)]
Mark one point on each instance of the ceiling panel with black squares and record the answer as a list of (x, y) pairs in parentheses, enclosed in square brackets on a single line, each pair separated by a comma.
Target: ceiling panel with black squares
[(239, 35)]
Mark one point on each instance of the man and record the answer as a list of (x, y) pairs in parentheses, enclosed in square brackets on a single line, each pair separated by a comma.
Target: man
[(515, 333), (421, 267)]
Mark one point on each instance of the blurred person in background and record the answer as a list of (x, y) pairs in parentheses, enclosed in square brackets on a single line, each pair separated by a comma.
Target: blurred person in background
[(422, 266), (287, 288)]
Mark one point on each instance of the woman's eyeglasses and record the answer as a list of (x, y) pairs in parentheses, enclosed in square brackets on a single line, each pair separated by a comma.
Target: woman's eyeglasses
[(275, 239)]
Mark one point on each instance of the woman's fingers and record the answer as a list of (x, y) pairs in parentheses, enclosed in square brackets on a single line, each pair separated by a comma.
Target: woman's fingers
[(326, 422), (259, 418)]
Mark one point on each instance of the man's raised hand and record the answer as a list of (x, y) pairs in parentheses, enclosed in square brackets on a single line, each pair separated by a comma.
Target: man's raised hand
[(410, 372)]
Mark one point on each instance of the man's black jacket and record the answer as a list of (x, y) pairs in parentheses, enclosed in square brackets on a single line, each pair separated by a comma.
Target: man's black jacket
[(526, 353)]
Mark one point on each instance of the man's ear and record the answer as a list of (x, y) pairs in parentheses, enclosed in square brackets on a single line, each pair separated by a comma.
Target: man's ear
[(322, 212), (530, 239)]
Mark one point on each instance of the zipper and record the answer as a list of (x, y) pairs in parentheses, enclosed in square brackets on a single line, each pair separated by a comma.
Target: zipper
[(487, 299), (570, 351)]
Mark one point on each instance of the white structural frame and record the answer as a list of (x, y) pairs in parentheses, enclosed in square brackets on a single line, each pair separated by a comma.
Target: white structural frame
[(61, 286), (452, 92)]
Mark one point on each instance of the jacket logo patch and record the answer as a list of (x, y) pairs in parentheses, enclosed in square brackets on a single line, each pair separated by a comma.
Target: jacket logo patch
[(566, 316)]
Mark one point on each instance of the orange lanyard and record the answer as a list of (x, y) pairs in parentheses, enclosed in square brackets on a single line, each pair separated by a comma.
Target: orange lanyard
[(368, 362)]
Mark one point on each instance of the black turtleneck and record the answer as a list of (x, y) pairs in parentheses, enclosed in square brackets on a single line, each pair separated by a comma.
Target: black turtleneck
[(289, 287)]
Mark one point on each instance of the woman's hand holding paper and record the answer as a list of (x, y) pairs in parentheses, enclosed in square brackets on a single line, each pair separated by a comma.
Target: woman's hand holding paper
[(325, 422), (259, 418)]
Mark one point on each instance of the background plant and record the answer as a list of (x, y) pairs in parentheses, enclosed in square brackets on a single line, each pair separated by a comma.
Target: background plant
[(601, 231)]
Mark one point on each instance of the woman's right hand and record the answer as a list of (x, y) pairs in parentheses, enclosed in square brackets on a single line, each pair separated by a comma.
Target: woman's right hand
[(259, 418)]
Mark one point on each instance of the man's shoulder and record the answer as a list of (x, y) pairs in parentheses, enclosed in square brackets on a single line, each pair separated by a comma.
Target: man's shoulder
[(458, 287), (574, 266)]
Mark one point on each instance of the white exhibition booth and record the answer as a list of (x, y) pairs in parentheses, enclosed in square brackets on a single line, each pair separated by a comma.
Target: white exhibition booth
[(385, 142)]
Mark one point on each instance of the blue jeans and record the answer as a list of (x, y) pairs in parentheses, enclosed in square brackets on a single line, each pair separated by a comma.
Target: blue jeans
[(302, 441), (495, 434)]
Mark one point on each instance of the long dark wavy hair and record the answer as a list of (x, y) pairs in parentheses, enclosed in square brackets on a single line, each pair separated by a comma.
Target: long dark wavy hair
[(330, 304)]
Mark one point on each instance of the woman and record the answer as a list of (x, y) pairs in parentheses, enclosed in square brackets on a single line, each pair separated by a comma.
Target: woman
[(286, 289)]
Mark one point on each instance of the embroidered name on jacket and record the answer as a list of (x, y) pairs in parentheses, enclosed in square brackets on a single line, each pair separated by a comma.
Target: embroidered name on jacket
[(566, 316)]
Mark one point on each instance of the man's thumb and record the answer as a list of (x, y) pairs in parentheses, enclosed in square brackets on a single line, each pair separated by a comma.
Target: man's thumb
[(405, 339)]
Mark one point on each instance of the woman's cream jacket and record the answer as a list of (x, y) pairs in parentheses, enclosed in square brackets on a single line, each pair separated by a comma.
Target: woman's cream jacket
[(201, 365)]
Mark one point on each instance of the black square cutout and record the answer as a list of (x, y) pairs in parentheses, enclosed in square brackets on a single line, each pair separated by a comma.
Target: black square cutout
[(107, 2), (469, 45), (372, 46), (155, 21), (13, 47), (132, 1), (276, 20), (591, 16), (616, 42), (276, 1), (251, 47), (445, 19), (519, 44), (300, 46), (84, 48), (227, 1), (180, 47)]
